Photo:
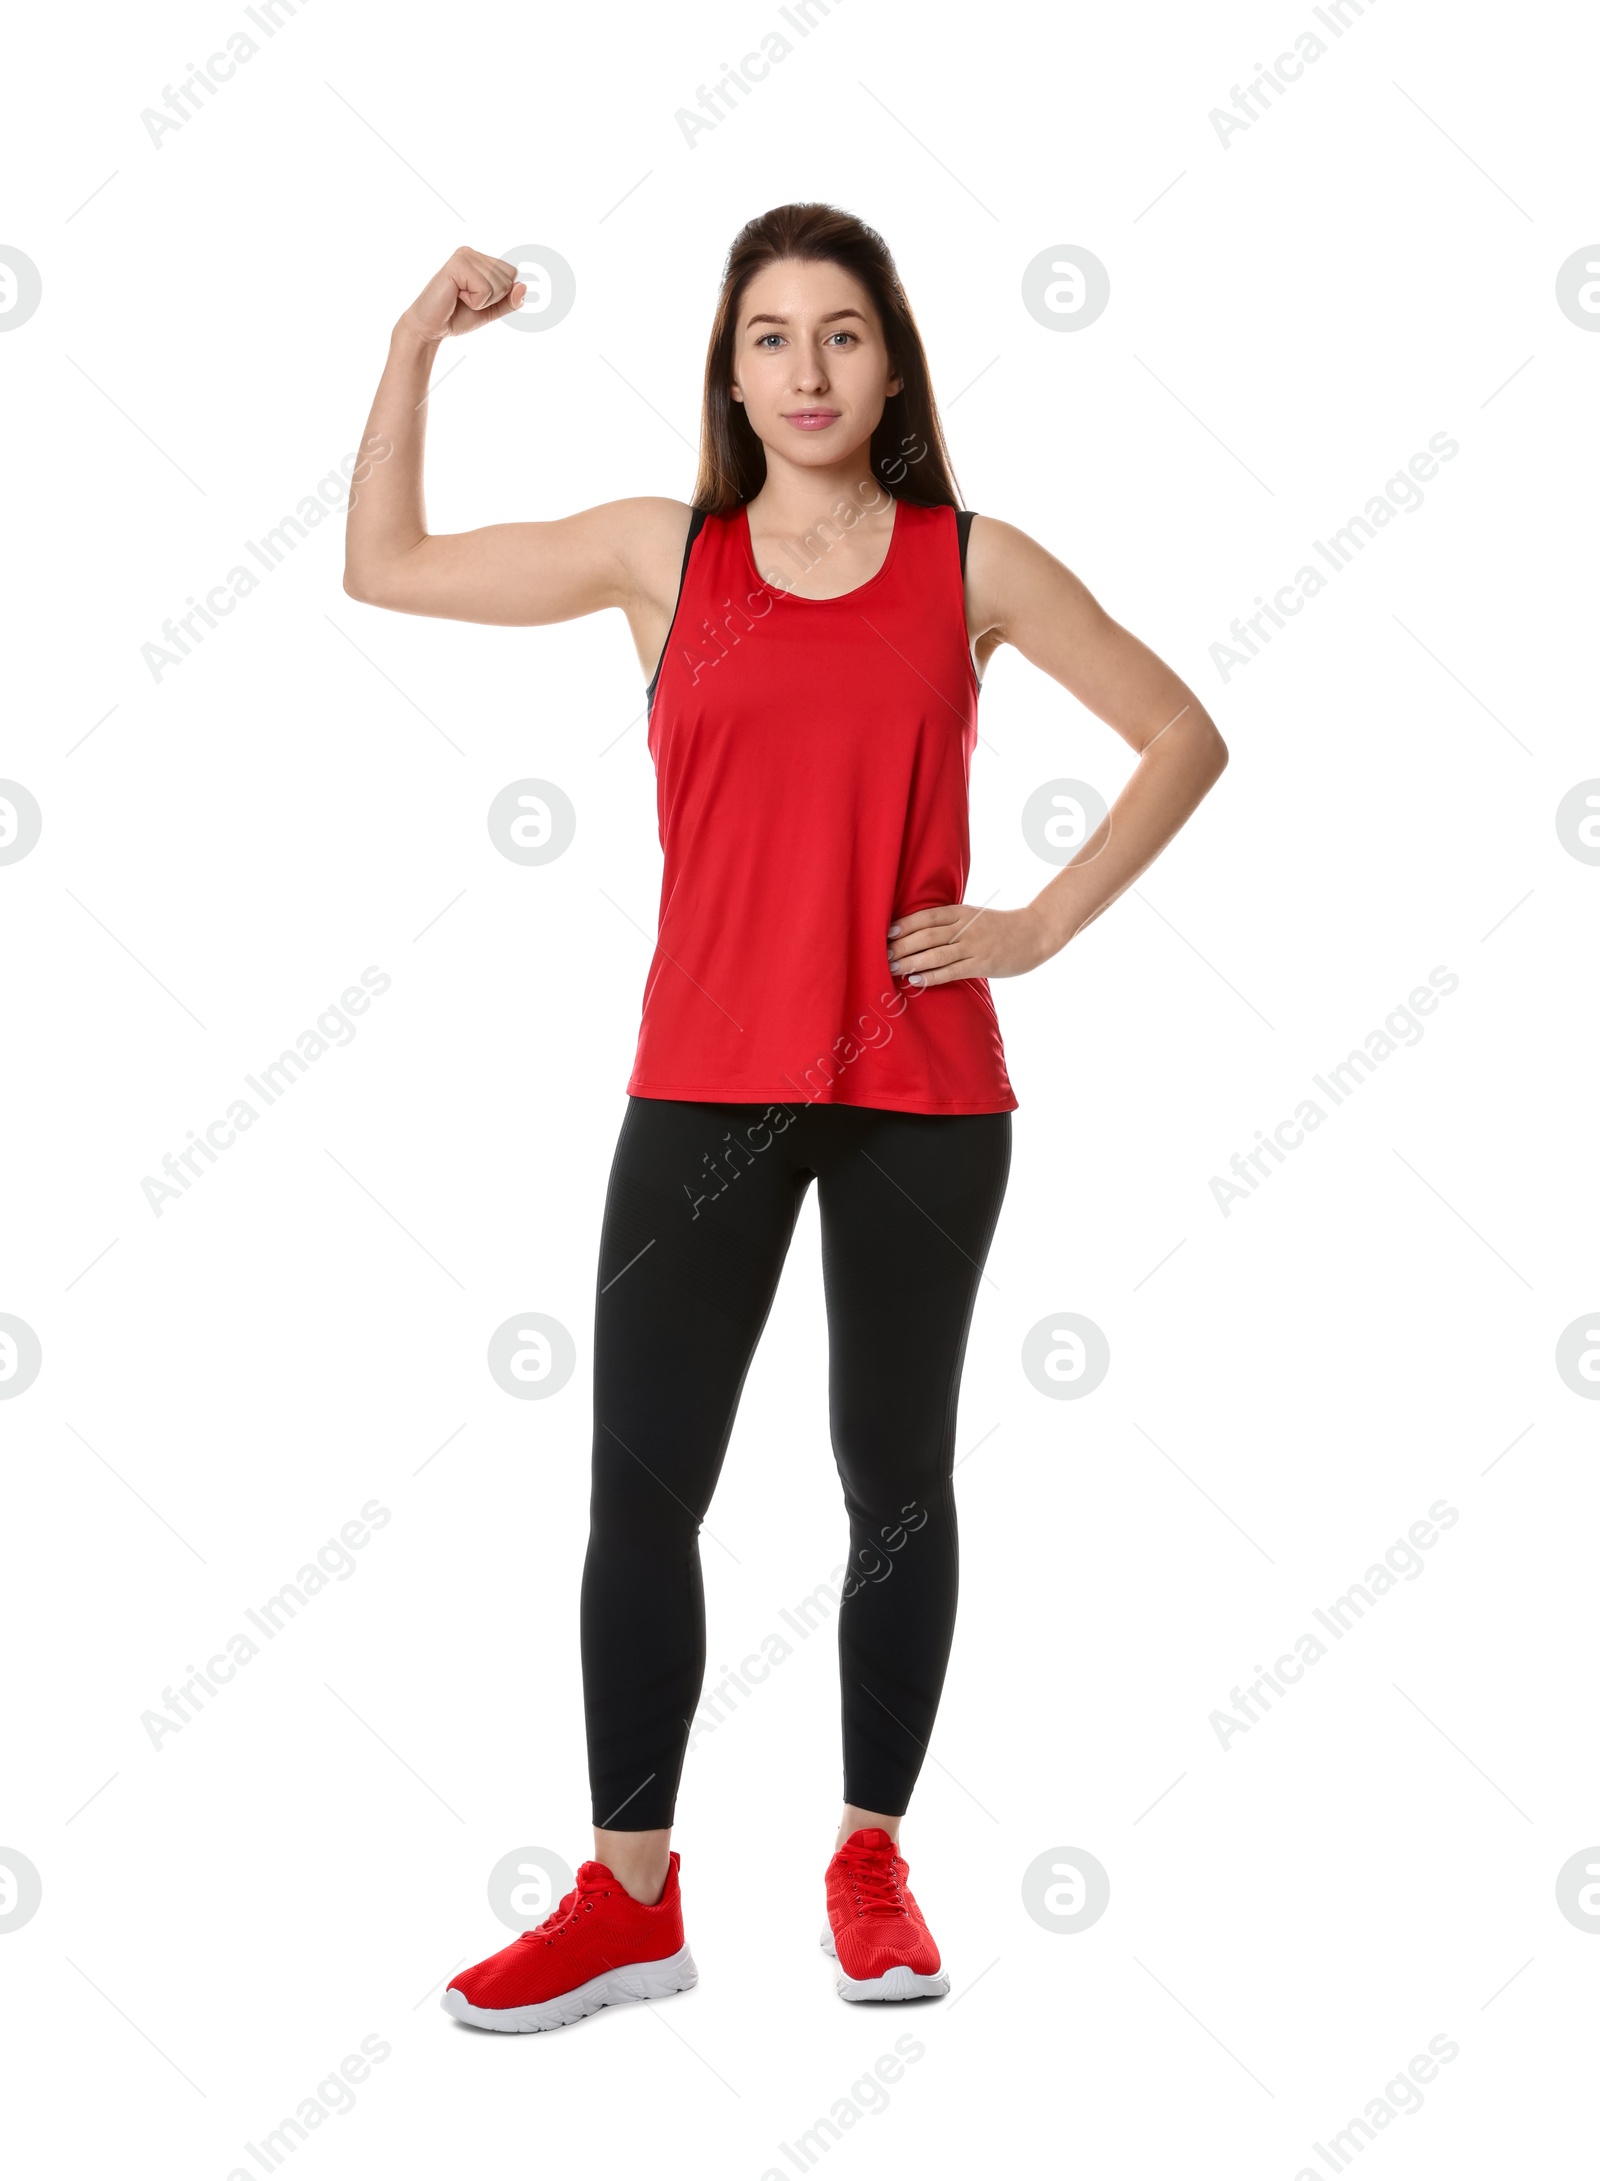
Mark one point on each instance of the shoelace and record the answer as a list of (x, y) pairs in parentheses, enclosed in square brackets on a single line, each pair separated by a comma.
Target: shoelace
[(875, 1882), (564, 1916)]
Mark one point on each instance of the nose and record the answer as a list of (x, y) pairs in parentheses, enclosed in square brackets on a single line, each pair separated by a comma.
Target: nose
[(810, 372)]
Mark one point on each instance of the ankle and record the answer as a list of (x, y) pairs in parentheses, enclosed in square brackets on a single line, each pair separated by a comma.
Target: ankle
[(646, 1886), (856, 1820), (639, 1862)]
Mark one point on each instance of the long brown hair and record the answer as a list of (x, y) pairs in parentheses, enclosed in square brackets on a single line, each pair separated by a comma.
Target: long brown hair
[(908, 452)]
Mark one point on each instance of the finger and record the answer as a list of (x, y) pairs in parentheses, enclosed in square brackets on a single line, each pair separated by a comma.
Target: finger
[(505, 306), (932, 957), (928, 935), (465, 269), (482, 280), (926, 958), (920, 918), (499, 276)]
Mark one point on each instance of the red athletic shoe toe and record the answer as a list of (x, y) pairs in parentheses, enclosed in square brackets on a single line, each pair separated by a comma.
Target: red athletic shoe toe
[(597, 1948), (875, 1930)]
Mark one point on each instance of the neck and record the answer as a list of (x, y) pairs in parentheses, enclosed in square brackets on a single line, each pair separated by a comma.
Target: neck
[(792, 500)]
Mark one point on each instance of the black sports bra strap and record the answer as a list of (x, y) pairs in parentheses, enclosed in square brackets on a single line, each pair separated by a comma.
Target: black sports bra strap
[(697, 516), (963, 530)]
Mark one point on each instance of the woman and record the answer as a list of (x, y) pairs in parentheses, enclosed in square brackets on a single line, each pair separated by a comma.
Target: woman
[(817, 1009)]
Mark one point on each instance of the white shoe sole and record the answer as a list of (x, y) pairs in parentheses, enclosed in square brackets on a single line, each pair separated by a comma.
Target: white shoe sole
[(639, 1980), (896, 1983)]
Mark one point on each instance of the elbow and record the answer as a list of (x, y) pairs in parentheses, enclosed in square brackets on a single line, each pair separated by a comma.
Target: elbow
[(1216, 751), (380, 578), (360, 586)]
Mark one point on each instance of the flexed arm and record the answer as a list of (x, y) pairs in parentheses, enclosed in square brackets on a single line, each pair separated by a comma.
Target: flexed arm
[(515, 574)]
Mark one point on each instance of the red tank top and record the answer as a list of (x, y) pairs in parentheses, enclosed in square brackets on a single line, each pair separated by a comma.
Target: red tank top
[(811, 763)]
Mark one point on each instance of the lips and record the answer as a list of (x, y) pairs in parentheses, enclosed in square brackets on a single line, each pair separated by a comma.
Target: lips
[(812, 420)]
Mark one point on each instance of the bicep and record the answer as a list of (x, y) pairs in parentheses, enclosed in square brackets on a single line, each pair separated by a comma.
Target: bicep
[(1022, 595), (527, 574)]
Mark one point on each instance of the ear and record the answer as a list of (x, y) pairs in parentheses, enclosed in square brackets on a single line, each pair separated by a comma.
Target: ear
[(736, 390)]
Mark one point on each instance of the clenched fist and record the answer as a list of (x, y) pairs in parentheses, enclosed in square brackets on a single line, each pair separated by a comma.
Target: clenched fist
[(470, 290)]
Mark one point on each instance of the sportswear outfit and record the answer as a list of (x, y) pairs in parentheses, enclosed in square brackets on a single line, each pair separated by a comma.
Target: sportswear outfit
[(812, 759)]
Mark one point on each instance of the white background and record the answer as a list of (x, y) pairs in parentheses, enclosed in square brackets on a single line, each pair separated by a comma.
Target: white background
[(223, 851)]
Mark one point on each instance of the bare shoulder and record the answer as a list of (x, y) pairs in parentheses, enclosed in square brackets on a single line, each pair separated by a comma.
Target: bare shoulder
[(646, 537), (1018, 593), (1010, 575)]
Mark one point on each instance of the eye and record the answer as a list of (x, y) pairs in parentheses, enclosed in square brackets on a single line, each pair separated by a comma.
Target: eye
[(843, 334), (763, 338)]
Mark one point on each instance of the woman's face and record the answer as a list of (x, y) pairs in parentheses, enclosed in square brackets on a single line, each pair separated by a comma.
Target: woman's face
[(810, 364)]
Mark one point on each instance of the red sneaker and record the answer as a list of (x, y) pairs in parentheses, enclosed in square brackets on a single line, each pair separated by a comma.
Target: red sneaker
[(875, 1930), (598, 1947)]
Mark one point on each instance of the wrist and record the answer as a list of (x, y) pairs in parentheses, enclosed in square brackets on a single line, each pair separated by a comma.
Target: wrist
[(1054, 920), (408, 343)]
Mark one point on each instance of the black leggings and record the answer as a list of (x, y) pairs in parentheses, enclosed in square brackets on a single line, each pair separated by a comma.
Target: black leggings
[(702, 1202)]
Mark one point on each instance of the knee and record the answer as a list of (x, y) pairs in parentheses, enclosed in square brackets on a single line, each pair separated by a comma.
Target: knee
[(884, 1525), (883, 1467), (640, 1521)]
